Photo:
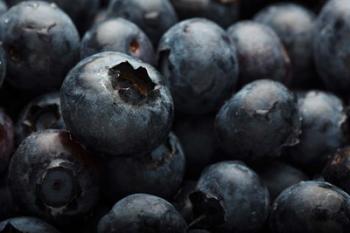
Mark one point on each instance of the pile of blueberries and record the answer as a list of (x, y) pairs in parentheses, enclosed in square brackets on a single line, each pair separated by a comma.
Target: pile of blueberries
[(175, 116)]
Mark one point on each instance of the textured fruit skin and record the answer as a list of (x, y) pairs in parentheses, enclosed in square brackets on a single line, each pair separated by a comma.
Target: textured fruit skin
[(260, 52), (197, 137), (277, 176), (26, 224), (323, 130), (224, 186), (126, 126), (331, 45), (311, 207), (294, 24), (40, 52), (258, 121), (154, 17), (41, 152), (142, 213), (118, 35), (223, 13), (6, 140), (82, 12), (200, 64), (42, 113), (159, 173), (337, 169)]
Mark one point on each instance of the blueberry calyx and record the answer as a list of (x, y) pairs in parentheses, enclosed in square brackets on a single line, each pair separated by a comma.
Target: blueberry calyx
[(42, 117), (134, 86)]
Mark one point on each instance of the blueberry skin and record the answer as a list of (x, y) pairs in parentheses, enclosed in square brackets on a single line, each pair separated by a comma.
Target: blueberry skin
[(331, 45), (311, 207), (154, 17), (260, 52), (142, 213), (323, 130), (277, 176), (337, 169), (42, 44), (159, 173), (128, 99), (27, 225), (258, 121), (82, 12), (197, 137), (3, 62), (294, 24), (3, 7), (42, 113), (200, 63), (118, 35), (222, 12), (52, 176), (221, 189), (7, 133)]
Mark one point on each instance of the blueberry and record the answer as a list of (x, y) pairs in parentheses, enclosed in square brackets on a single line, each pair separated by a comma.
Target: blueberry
[(154, 17), (294, 24), (311, 207), (331, 45), (182, 201), (42, 113), (323, 130), (259, 121), (118, 35), (142, 213), (278, 176), (3, 7), (200, 64), (116, 104), (42, 44), (100, 17), (159, 172), (197, 138), (3, 64), (337, 170), (6, 140), (223, 12), (82, 12), (52, 176), (26, 225), (260, 53), (230, 198)]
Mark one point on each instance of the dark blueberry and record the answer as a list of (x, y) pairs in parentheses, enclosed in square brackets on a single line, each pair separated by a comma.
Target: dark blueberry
[(3, 7), (52, 176), (116, 104), (331, 45), (259, 121), (159, 172), (42, 113), (142, 213), (82, 12), (8, 208), (197, 138), (323, 130), (337, 170), (223, 12), (6, 140), (260, 53), (294, 24), (278, 176), (26, 225), (182, 201), (154, 17), (200, 63), (230, 197), (3, 63), (118, 35), (311, 207), (41, 43)]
